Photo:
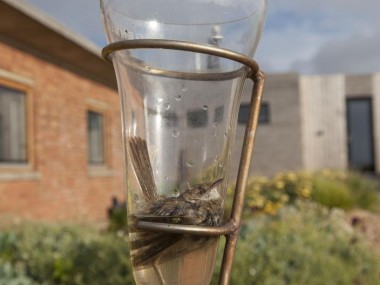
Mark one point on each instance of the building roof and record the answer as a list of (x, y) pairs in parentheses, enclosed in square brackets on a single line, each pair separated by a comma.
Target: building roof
[(27, 28)]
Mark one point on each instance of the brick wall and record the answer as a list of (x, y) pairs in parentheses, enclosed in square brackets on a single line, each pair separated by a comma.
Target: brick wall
[(59, 185)]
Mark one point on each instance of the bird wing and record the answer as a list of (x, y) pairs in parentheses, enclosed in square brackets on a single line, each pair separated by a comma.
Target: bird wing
[(149, 248), (139, 156)]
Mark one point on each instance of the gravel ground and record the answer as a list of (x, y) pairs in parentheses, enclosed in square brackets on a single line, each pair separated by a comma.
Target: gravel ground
[(369, 224)]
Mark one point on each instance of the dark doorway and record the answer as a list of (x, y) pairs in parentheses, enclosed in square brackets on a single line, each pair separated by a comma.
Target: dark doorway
[(360, 134)]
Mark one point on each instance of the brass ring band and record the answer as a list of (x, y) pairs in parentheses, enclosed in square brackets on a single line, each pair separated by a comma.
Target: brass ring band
[(184, 46)]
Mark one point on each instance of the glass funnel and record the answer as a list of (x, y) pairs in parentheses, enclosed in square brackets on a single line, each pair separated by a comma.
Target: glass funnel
[(179, 113)]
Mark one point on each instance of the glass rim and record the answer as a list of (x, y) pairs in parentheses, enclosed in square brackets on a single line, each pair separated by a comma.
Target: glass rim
[(211, 23)]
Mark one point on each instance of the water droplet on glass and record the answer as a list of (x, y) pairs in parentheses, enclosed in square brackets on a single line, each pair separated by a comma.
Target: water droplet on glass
[(225, 135), (205, 107), (190, 163), (148, 68), (159, 101), (167, 106), (166, 178), (221, 165), (178, 98), (175, 134), (184, 88), (215, 124)]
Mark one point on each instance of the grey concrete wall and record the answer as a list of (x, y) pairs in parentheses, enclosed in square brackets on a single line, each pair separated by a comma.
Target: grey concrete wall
[(376, 118), (324, 122), (278, 144), (358, 85), (308, 127)]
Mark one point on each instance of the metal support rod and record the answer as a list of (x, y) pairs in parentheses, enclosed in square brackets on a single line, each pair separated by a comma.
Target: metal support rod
[(179, 45), (226, 229), (243, 173), (232, 227)]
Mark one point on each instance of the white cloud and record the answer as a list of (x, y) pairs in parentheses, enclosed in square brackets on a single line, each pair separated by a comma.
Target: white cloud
[(280, 48), (355, 54), (362, 7), (311, 36), (317, 36)]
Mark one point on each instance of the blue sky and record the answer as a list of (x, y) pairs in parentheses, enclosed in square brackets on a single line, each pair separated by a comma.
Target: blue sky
[(306, 36)]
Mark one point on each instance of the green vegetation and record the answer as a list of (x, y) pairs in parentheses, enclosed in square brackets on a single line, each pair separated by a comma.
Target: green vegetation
[(293, 234), (363, 191), (45, 254), (303, 244), (332, 193)]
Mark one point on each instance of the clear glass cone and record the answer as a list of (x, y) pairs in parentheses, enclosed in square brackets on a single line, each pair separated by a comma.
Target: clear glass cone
[(178, 132)]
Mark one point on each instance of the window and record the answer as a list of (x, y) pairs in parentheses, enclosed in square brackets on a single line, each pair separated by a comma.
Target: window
[(197, 118), (264, 115), (219, 114), (95, 138), (170, 119), (13, 126)]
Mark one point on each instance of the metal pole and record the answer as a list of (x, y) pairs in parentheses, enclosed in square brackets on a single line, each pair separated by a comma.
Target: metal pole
[(241, 183)]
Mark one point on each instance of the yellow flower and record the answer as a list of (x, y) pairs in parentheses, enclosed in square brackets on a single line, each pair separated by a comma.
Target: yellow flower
[(284, 198), (270, 208), (256, 188), (306, 192), (279, 185), (292, 177), (257, 201)]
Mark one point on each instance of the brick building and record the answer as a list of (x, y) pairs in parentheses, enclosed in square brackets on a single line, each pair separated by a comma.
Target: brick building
[(60, 141)]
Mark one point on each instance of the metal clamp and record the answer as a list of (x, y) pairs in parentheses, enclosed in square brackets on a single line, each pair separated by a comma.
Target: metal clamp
[(232, 227)]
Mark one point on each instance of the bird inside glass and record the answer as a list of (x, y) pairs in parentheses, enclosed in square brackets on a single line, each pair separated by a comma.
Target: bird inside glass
[(179, 115)]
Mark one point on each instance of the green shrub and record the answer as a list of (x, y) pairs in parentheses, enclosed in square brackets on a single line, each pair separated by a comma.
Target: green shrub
[(363, 190), (345, 190), (303, 244), (332, 193), (11, 275), (66, 255), (117, 219)]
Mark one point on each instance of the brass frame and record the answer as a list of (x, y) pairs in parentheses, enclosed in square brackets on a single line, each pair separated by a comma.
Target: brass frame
[(232, 227)]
